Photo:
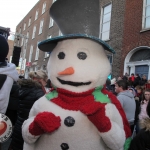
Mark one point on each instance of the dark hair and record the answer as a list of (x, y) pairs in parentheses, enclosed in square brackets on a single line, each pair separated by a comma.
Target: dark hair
[(123, 84), (143, 96), (148, 109), (132, 74)]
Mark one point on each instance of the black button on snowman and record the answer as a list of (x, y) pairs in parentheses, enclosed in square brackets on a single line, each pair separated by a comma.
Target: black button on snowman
[(69, 121)]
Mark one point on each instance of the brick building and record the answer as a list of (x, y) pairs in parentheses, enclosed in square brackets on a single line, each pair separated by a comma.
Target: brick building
[(135, 57), (37, 25)]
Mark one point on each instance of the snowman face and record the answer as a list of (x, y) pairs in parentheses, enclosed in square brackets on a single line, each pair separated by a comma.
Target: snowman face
[(78, 65)]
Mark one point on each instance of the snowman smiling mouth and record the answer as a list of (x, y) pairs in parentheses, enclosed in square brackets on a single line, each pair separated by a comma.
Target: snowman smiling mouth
[(73, 83)]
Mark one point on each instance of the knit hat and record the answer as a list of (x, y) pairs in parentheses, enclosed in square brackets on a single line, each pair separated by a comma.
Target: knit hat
[(4, 48)]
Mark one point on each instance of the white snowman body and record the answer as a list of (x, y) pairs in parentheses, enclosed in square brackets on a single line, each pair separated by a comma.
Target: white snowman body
[(92, 69)]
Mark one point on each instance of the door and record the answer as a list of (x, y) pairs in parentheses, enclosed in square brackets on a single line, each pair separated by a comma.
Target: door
[(142, 70)]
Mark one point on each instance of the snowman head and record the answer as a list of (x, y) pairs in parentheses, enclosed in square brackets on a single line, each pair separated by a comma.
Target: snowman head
[(78, 65)]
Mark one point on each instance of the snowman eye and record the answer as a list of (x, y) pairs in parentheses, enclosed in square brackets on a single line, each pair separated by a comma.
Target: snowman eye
[(82, 55), (61, 55)]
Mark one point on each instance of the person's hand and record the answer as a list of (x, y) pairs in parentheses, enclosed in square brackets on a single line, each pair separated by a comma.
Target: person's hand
[(44, 122)]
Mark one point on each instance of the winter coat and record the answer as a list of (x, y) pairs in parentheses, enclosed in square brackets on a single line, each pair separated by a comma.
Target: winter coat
[(127, 101), (11, 75), (142, 82), (143, 113), (13, 103), (142, 140), (29, 92)]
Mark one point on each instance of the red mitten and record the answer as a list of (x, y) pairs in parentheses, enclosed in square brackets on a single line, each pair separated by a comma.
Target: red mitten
[(44, 122), (95, 111)]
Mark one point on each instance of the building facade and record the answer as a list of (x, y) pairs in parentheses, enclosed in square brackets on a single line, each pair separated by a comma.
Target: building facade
[(135, 57), (37, 25)]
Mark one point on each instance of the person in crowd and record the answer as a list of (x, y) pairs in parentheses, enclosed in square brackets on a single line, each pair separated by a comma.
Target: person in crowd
[(144, 103), (113, 82), (127, 101), (108, 84), (125, 77), (139, 92), (12, 108), (142, 140), (29, 92), (8, 74), (143, 80), (41, 77), (119, 78), (131, 79), (137, 110), (136, 80)]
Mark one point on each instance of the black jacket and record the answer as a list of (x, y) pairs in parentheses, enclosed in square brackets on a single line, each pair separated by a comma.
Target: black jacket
[(29, 92), (142, 139)]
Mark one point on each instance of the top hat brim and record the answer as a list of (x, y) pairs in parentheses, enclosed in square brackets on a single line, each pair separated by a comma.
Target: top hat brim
[(49, 44)]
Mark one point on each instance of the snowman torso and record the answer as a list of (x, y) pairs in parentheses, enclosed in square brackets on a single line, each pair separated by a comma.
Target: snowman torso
[(72, 135)]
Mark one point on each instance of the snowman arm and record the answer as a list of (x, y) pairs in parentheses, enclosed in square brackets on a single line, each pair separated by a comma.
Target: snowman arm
[(115, 137), (27, 136)]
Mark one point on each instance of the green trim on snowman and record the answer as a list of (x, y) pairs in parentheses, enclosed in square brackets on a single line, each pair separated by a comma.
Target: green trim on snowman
[(51, 95), (99, 96)]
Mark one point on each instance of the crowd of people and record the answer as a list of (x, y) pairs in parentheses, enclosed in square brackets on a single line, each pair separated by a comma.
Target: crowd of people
[(16, 102), (133, 92)]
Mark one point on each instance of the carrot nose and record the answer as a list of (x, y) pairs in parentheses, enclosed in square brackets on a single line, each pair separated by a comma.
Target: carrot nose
[(67, 71)]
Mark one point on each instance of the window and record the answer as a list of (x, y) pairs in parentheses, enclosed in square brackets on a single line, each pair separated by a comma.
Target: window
[(105, 22), (29, 23), (44, 7), (24, 27), (22, 41), (36, 14), (49, 36), (60, 34), (31, 51), (27, 37), (46, 54), (41, 26), (51, 22), (37, 52), (34, 31), (20, 30), (146, 14)]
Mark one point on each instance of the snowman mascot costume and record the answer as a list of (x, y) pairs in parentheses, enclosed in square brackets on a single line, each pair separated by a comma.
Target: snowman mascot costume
[(79, 114)]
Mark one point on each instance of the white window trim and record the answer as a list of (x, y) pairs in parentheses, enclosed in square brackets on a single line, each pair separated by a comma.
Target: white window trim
[(34, 32), (49, 36), (41, 26), (31, 52), (44, 8), (60, 33), (53, 1), (46, 55), (24, 27), (22, 41), (36, 14), (29, 23), (51, 22), (37, 52), (101, 21), (144, 17)]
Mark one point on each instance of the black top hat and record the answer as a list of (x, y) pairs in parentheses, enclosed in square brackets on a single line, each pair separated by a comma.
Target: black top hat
[(76, 19), (4, 48)]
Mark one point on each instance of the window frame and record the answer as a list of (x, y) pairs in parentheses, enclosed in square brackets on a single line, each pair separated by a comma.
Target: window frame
[(34, 32), (36, 14), (144, 17), (31, 52), (41, 26), (24, 26), (29, 23), (102, 23), (44, 7), (51, 22), (37, 52)]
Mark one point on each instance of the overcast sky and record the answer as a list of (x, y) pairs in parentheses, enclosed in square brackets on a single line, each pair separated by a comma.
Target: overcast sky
[(12, 12)]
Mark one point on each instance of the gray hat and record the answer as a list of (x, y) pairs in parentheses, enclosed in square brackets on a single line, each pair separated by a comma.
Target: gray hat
[(76, 19)]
